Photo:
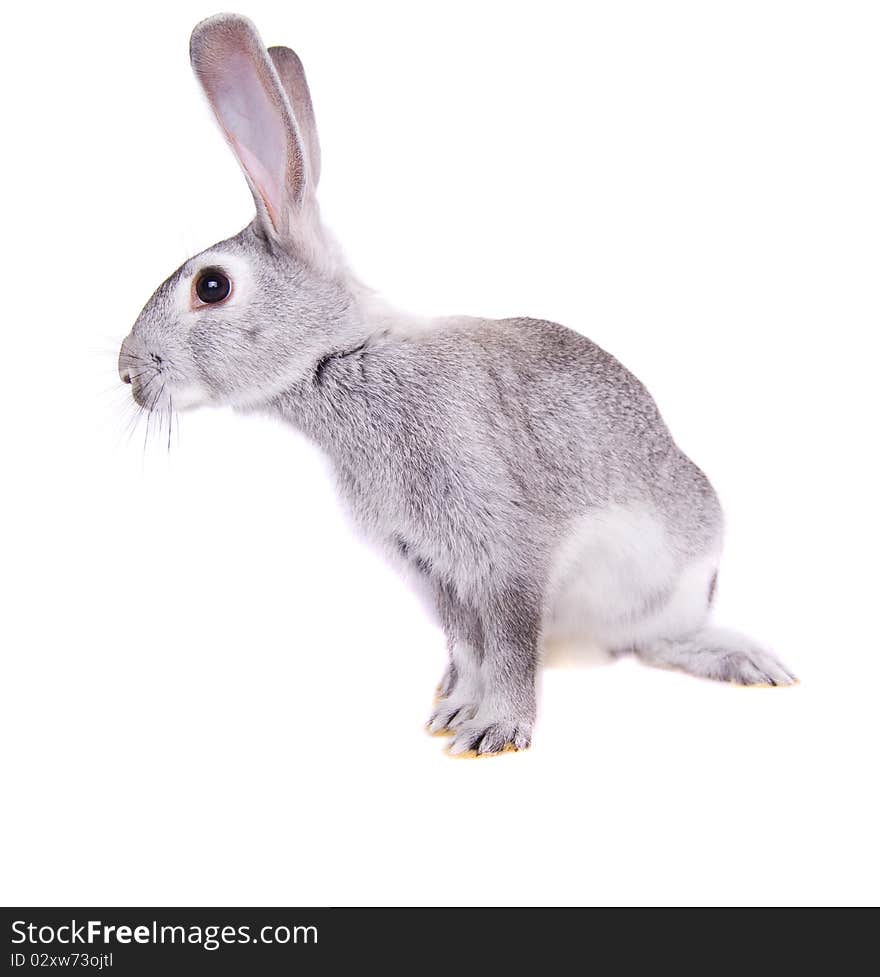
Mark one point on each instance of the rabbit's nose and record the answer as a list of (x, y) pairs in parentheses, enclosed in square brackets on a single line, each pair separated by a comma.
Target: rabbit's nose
[(125, 361)]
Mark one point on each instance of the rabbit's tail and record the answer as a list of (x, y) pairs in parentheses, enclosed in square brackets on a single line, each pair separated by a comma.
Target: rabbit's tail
[(715, 653)]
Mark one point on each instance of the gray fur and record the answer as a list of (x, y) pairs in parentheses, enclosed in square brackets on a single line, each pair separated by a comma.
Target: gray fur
[(468, 448)]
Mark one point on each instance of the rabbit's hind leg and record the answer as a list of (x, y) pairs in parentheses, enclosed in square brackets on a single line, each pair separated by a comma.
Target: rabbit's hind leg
[(618, 580), (673, 633)]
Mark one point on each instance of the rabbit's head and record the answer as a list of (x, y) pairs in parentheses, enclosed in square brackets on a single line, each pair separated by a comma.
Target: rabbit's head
[(238, 322)]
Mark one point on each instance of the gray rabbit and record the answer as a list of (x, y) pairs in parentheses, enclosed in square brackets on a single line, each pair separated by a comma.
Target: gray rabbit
[(518, 470)]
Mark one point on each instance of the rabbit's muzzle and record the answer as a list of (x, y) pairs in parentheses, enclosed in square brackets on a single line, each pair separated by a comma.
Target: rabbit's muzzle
[(143, 372), (128, 361)]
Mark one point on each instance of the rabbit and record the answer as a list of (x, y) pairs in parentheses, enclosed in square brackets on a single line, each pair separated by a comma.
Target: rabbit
[(514, 468)]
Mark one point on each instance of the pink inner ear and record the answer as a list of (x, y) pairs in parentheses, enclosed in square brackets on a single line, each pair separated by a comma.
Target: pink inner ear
[(269, 190), (255, 126)]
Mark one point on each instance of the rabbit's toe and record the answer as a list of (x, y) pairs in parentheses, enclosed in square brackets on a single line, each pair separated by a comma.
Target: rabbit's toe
[(486, 737), (450, 714), (755, 667)]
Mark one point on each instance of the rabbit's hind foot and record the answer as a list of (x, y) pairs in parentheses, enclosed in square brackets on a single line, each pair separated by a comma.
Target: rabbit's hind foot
[(718, 654)]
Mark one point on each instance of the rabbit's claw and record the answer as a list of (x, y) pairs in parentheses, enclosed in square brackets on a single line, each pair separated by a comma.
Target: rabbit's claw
[(450, 714), (487, 737)]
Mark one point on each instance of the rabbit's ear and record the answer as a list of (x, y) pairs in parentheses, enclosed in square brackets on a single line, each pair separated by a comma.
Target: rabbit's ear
[(250, 104), (293, 78)]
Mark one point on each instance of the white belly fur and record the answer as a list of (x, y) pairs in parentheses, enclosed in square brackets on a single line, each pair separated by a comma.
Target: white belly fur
[(618, 582)]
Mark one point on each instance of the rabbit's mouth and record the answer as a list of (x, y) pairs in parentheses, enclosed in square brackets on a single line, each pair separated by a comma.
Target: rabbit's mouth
[(144, 373), (147, 377), (149, 392), (157, 391)]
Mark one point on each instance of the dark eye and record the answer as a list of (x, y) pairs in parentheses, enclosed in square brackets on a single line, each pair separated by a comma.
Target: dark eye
[(212, 285)]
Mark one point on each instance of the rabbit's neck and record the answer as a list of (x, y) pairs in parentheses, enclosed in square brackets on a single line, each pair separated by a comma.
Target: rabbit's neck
[(340, 381)]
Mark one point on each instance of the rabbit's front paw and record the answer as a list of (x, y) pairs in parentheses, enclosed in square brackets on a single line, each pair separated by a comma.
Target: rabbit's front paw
[(485, 736), (450, 714)]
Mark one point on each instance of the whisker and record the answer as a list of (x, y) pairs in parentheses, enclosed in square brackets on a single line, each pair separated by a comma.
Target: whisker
[(133, 424), (115, 355), (149, 416), (170, 418), (118, 387)]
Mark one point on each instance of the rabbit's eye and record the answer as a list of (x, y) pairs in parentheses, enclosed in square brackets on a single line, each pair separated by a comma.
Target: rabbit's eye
[(212, 286)]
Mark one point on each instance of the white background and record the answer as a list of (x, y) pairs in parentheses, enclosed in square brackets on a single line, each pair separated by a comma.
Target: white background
[(212, 692)]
